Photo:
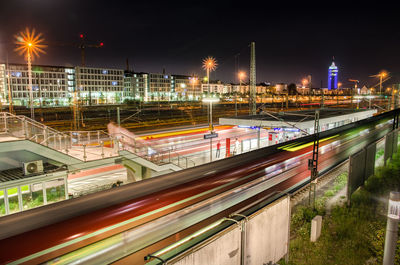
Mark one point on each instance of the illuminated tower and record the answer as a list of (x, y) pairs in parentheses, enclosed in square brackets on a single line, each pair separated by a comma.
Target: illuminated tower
[(332, 77)]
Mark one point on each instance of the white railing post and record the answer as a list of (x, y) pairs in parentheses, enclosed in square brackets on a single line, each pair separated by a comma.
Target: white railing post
[(45, 134), (59, 139), (24, 127), (84, 152), (5, 122), (98, 136), (102, 149), (70, 135), (66, 143)]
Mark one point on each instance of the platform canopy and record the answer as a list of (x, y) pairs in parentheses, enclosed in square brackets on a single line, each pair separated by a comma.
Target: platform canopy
[(303, 119)]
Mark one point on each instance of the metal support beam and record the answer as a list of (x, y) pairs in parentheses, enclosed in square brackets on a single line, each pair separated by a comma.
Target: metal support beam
[(313, 163), (253, 99)]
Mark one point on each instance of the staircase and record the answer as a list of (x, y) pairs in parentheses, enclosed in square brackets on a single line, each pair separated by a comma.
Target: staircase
[(84, 145)]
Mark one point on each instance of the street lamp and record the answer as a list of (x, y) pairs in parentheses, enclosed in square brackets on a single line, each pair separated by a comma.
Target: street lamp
[(210, 100), (241, 75), (29, 44), (337, 94), (193, 81), (209, 64), (381, 76)]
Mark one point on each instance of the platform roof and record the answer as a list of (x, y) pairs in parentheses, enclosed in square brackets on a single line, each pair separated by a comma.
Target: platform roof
[(303, 119)]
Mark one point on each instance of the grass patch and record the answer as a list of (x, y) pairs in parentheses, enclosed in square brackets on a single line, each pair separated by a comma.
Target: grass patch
[(379, 153), (350, 235)]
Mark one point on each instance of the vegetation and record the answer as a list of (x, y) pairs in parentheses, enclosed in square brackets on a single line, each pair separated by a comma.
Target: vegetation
[(379, 153), (350, 235), (31, 199)]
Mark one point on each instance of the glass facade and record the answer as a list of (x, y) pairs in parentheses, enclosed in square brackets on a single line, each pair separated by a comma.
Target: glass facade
[(31, 193)]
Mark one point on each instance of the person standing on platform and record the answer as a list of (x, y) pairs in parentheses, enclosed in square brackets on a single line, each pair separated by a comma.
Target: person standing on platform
[(218, 149)]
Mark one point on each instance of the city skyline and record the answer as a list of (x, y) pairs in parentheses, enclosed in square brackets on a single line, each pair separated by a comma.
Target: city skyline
[(289, 45)]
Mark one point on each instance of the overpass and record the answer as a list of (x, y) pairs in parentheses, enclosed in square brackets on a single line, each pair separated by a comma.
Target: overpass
[(127, 223)]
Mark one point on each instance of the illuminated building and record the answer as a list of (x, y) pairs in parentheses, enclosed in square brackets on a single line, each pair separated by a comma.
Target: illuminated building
[(50, 84), (333, 77), (100, 85)]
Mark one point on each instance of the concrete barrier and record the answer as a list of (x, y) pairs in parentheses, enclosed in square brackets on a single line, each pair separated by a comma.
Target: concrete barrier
[(224, 249)]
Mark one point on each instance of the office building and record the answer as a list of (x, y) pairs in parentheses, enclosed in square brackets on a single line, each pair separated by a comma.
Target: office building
[(100, 85)]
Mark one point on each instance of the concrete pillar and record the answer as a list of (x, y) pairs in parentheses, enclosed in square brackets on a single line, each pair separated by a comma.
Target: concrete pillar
[(316, 225), (146, 173)]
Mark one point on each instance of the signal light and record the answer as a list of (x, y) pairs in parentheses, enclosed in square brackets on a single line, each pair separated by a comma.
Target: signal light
[(81, 36), (101, 44)]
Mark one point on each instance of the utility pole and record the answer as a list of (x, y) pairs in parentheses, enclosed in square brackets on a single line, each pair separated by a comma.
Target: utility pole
[(118, 118), (310, 89), (322, 97), (313, 163), (253, 99)]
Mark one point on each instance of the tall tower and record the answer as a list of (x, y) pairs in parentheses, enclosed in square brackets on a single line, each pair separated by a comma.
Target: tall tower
[(253, 99), (332, 77)]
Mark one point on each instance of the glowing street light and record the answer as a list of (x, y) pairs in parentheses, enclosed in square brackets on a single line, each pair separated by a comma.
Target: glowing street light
[(382, 74), (29, 44), (193, 81), (337, 92), (211, 100), (241, 76), (304, 82), (209, 64)]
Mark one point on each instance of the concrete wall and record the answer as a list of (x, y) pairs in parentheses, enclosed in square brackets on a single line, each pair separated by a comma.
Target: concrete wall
[(264, 237), (370, 160), (267, 234), (356, 172), (388, 146), (224, 250)]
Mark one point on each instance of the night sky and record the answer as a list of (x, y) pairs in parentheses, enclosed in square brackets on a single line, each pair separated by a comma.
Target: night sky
[(292, 40)]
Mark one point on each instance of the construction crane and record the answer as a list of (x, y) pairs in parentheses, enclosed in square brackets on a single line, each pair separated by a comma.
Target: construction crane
[(84, 43), (355, 82)]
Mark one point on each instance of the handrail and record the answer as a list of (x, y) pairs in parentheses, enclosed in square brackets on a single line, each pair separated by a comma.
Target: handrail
[(63, 141)]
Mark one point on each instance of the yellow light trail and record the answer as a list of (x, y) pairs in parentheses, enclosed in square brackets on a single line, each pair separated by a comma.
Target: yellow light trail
[(291, 148), (160, 135)]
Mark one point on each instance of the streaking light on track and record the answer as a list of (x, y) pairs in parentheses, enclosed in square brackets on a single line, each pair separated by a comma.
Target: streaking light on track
[(293, 148)]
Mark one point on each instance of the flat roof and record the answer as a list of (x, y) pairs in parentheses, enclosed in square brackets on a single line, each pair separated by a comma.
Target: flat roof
[(294, 116), (17, 173), (303, 118)]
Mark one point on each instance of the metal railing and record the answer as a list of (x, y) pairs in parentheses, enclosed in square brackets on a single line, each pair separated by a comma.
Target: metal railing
[(158, 157), (80, 144), (87, 145)]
